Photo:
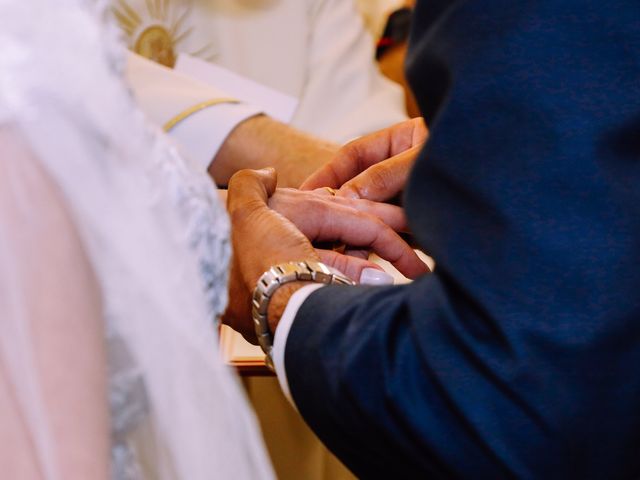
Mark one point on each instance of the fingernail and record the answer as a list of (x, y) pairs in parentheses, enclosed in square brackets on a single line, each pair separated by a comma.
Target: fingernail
[(373, 276)]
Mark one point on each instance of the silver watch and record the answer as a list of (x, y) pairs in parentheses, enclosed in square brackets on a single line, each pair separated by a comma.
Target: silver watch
[(277, 276)]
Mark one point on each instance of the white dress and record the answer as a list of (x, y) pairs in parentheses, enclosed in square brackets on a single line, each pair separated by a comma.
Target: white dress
[(157, 240)]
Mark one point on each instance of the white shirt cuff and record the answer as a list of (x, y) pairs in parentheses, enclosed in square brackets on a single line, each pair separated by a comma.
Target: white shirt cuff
[(282, 333), (201, 135)]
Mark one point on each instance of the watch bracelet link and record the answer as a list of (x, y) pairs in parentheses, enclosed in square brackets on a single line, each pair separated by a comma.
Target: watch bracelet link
[(277, 276)]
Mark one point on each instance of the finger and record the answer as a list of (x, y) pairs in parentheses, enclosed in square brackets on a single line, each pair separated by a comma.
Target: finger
[(352, 159), (352, 267), (291, 203), (407, 135), (324, 192), (387, 143), (420, 132), (334, 173), (383, 180), (248, 187), (357, 252), (357, 229), (392, 215), (361, 153)]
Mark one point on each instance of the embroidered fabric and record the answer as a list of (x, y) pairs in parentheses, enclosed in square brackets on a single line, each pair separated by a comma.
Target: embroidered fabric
[(157, 239)]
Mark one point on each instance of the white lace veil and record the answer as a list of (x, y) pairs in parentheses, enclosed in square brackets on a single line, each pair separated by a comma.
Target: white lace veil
[(156, 239)]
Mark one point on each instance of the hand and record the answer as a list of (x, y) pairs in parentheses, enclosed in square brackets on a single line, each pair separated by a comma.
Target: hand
[(287, 202), (261, 141), (321, 209), (313, 209), (263, 237), (376, 166)]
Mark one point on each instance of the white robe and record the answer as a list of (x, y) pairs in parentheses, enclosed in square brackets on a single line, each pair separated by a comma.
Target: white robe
[(376, 13), (315, 50)]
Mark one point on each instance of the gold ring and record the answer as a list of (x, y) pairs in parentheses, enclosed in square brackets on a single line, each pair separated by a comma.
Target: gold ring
[(331, 191)]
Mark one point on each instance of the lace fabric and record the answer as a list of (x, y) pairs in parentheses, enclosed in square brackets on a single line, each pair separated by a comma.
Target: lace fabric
[(156, 236)]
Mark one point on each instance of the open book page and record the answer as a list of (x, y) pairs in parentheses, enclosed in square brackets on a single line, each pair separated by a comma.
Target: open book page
[(239, 353), (249, 359), (275, 104)]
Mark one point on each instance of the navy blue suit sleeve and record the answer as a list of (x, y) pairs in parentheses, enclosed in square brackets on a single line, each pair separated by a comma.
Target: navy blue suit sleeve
[(411, 380), (518, 356)]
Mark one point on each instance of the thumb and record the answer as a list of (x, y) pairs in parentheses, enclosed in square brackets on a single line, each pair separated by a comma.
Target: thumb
[(249, 186), (383, 180)]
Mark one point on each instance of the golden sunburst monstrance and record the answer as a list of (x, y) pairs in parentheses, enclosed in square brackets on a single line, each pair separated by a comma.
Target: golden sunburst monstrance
[(156, 32)]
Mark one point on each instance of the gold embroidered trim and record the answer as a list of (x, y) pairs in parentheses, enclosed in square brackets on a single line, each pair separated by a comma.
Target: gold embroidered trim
[(196, 108)]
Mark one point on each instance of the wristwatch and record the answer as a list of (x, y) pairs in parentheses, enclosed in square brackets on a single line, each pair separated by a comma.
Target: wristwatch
[(273, 279)]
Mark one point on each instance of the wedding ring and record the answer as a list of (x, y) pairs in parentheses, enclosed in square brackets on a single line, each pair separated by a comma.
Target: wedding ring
[(331, 191)]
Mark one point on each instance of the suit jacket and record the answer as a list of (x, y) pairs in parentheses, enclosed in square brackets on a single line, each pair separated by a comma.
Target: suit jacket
[(518, 357)]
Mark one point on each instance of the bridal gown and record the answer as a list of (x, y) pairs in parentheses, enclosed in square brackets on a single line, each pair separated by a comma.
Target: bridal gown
[(156, 239)]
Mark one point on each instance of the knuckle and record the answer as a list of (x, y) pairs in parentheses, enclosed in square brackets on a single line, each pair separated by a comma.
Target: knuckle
[(313, 205), (378, 178)]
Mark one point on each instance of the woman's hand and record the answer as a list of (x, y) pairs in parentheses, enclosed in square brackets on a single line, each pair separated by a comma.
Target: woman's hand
[(263, 237), (376, 166)]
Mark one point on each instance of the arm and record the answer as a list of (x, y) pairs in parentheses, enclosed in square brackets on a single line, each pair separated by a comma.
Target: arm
[(387, 377), (223, 137), (512, 360), (263, 237), (369, 350), (397, 392), (261, 142), (515, 358), (53, 392)]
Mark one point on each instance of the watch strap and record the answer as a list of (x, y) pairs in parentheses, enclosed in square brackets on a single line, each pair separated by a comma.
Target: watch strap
[(274, 278)]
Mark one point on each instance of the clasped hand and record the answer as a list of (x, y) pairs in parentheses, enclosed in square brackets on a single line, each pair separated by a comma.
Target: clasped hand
[(272, 226)]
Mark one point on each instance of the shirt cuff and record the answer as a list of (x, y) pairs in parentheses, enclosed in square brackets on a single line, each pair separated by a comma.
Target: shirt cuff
[(282, 333), (201, 134)]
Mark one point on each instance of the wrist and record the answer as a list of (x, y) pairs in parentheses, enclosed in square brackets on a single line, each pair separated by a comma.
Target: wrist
[(261, 141), (290, 276), (279, 302)]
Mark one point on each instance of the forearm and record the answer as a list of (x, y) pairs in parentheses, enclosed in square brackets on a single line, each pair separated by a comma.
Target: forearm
[(260, 142), (367, 366)]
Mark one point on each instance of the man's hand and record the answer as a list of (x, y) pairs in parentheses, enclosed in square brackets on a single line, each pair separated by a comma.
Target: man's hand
[(376, 166), (261, 142), (263, 237), (313, 209)]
